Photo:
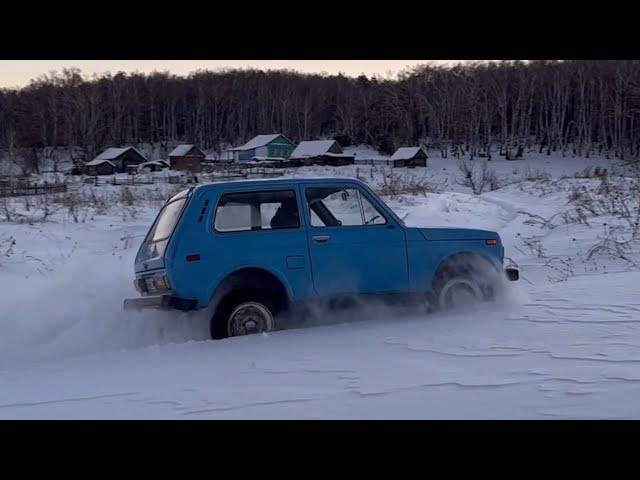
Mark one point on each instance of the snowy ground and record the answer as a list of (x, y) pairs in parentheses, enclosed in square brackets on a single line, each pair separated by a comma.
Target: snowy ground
[(564, 343)]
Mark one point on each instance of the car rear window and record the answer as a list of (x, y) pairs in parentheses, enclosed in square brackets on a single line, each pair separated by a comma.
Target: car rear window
[(166, 221), (261, 210)]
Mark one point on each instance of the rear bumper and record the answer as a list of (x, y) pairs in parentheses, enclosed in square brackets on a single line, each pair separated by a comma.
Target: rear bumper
[(160, 302), (513, 274)]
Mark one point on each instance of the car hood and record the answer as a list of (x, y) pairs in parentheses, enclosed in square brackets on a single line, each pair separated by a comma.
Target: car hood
[(449, 233)]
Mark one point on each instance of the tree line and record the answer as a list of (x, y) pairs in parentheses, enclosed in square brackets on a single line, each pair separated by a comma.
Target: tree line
[(474, 109)]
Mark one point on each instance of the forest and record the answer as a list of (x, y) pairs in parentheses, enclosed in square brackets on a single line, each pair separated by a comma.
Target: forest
[(474, 109)]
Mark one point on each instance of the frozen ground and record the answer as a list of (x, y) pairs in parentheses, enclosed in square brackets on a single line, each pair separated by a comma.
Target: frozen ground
[(564, 343)]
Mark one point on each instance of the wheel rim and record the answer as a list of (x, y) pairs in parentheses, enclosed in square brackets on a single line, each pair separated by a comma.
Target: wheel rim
[(249, 318), (459, 292)]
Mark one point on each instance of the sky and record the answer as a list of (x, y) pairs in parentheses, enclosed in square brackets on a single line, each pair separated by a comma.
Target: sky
[(18, 73)]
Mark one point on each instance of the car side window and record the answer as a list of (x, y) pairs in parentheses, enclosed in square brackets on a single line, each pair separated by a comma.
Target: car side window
[(332, 207), (371, 215), (261, 210)]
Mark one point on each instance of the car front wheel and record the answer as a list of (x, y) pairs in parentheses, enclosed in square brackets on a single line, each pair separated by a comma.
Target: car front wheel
[(459, 292)]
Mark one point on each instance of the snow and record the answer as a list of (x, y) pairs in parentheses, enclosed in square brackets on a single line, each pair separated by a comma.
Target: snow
[(259, 158), (364, 152), (405, 153), (338, 155), (181, 150), (160, 163), (110, 154), (563, 342), (312, 148), (99, 161), (257, 142)]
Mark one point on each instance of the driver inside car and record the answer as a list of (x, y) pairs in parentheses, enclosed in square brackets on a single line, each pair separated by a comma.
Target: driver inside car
[(287, 215)]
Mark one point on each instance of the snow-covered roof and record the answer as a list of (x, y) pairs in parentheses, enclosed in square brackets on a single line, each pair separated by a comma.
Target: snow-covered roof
[(162, 163), (267, 159), (113, 152), (99, 161), (312, 148), (340, 155), (405, 153), (181, 150), (257, 142)]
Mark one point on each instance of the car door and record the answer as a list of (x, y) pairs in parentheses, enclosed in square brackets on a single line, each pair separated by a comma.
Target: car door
[(261, 227), (355, 246)]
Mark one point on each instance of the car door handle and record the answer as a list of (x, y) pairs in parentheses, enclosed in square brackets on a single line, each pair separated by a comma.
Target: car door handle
[(321, 238)]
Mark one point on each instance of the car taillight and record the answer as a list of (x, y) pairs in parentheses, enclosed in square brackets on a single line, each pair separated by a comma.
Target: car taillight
[(139, 284), (159, 283)]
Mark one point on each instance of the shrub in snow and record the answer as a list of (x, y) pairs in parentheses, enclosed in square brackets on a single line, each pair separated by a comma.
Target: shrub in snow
[(536, 175), (394, 185), (6, 247), (477, 179)]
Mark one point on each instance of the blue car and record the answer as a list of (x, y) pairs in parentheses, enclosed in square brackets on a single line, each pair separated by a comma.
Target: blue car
[(253, 250)]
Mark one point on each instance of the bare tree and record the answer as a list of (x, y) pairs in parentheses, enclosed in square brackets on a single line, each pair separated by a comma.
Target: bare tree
[(571, 107)]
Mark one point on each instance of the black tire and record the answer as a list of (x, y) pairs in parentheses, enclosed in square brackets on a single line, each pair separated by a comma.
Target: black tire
[(476, 282), (221, 318)]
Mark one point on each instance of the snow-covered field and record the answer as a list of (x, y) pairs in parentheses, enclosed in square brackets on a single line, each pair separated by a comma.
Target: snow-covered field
[(564, 343)]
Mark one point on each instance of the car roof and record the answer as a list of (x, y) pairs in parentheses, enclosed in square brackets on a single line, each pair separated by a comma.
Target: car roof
[(274, 181)]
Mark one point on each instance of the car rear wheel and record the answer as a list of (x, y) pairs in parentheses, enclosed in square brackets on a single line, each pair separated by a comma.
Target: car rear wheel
[(243, 313), (248, 318)]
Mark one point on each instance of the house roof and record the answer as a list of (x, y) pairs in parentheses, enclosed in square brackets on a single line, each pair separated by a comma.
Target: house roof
[(405, 153), (113, 153), (182, 150), (99, 161), (340, 155), (312, 148), (162, 163), (258, 141), (268, 159)]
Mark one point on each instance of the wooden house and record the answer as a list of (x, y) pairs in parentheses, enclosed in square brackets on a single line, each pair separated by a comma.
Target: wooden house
[(273, 147), (409, 157), (321, 152), (186, 157), (100, 167), (114, 160)]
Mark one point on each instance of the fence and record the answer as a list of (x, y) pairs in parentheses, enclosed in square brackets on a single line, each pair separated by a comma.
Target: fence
[(241, 171), (218, 174), (131, 180), (23, 190), (375, 162)]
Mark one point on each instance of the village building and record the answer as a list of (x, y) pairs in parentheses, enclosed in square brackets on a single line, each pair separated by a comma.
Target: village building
[(271, 148), (409, 157), (115, 160), (186, 157), (321, 152), (100, 167)]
